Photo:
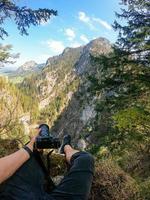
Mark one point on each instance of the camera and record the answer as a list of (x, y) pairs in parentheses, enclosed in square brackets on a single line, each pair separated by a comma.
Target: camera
[(45, 140)]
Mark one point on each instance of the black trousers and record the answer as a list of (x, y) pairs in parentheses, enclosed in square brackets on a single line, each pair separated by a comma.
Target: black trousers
[(27, 183)]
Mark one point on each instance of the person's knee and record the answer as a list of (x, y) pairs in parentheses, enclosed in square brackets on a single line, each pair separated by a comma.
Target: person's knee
[(87, 160)]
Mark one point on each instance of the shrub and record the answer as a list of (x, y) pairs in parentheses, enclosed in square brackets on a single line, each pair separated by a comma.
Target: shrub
[(112, 183), (145, 189), (8, 146)]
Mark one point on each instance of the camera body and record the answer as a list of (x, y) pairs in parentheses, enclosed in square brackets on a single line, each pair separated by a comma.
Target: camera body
[(45, 140)]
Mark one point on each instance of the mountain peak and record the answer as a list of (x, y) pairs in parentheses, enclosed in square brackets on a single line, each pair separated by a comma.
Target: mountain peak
[(66, 50), (95, 48), (27, 66), (98, 46)]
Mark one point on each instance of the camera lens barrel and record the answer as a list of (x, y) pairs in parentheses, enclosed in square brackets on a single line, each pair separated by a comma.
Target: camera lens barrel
[(44, 130)]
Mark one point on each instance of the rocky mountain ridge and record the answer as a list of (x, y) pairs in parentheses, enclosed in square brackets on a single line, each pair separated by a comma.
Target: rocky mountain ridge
[(61, 88)]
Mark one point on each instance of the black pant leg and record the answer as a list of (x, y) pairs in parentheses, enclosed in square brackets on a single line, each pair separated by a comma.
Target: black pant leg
[(77, 183)]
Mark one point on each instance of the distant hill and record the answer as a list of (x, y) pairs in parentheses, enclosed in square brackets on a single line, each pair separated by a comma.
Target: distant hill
[(28, 68)]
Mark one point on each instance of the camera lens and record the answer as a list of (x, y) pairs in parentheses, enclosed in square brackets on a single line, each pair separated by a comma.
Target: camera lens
[(44, 132)]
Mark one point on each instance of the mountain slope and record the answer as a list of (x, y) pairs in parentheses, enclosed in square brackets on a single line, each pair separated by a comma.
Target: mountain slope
[(15, 109), (61, 88)]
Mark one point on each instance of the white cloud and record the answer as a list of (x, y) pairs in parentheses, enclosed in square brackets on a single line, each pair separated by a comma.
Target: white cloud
[(86, 19), (42, 58), (22, 59), (83, 17), (75, 44), (102, 23), (70, 34), (90, 21), (55, 46), (84, 38), (94, 37)]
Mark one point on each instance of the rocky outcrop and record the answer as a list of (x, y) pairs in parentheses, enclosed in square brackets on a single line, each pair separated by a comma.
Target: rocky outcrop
[(25, 120), (81, 109)]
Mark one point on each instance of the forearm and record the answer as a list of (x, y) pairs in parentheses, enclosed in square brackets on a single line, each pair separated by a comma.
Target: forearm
[(9, 164)]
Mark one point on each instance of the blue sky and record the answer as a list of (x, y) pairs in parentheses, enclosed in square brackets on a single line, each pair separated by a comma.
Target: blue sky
[(78, 22)]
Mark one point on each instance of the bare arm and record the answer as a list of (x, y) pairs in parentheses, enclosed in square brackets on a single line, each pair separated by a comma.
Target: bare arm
[(9, 164)]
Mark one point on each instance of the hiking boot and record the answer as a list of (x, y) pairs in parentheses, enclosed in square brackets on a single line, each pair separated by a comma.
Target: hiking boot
[(66, 141)]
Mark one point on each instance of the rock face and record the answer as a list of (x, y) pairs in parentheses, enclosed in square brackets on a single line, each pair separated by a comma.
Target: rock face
[(81, 108), (81, 144), (95, 47), (88, 113), (69, 56)]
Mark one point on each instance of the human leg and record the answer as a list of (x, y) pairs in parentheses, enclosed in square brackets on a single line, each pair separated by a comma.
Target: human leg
[(77, 182)]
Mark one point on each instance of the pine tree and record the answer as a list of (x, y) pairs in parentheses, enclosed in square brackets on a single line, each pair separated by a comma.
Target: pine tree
[(23, 17), (123, 77), (125, 72), (6, 56), (134, 37)]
